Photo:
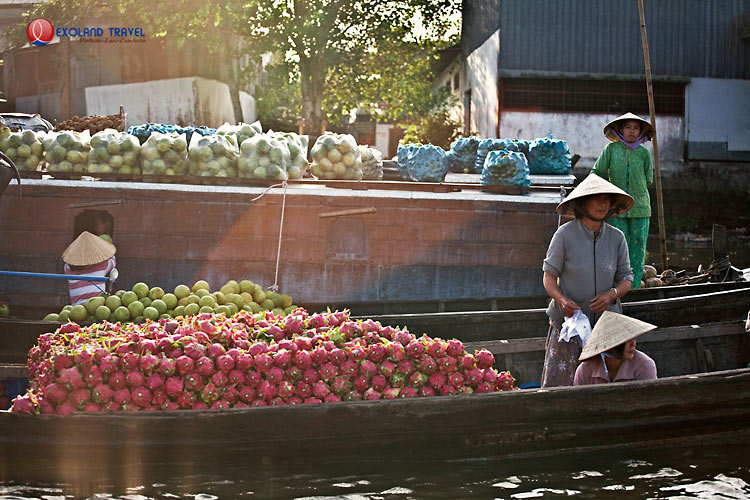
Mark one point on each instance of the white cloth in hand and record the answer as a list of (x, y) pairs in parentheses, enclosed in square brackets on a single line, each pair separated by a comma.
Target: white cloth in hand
[(576, 325)]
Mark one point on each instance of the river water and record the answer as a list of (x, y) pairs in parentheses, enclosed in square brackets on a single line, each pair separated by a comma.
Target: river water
[(701, 473)]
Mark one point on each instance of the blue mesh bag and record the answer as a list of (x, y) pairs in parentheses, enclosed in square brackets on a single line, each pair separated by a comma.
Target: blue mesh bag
[(462, 155), (549, 156), (484, 147), (505, 168)]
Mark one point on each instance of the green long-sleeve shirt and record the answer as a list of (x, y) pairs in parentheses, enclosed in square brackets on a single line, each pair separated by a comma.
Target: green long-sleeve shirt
[(631, 171)]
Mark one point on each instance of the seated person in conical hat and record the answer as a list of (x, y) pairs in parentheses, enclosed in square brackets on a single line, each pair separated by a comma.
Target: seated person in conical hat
[(610, 354), (88, 255)]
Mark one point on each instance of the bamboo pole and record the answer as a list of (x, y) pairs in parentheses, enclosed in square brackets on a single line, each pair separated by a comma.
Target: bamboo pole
[(657, 172)]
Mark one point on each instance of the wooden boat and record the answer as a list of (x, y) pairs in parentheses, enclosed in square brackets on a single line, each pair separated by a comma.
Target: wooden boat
[(669, 412), (474, 326), (513, 302)]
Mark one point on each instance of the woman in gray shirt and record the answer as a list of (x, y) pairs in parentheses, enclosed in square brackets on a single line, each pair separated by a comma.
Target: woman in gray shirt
[(587, 267)]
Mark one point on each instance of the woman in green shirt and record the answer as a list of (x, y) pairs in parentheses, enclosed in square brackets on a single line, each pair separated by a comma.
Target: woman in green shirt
[(627, 165)]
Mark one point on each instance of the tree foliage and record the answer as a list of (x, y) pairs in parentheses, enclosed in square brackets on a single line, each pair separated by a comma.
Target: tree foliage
[(344, 52)]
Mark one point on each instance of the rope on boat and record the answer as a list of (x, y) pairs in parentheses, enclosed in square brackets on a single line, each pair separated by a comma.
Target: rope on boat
[(284, 184)]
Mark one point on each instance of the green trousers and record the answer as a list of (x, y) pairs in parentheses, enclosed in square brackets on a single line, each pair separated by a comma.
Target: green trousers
[(636, 234)]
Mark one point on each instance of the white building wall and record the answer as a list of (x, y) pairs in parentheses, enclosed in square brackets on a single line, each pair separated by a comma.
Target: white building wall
[(718, 111), (481, 79), (584, 133), (185, 101)]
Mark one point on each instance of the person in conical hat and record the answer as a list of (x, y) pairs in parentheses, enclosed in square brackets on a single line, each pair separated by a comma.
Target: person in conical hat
[(627, 164), (586, 269), (88, 255), (610, 354)]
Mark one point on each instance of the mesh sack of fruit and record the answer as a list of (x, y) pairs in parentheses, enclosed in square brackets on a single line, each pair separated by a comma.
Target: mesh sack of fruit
[(263, 156), (336, 156), (297, 145), (67, 151), (212, 156), (462, 155), (403, 153), (372, 164), (241, 131), (427, 163), (549, 156), (23, 148), (505, 168), (483, 148), (164, 154), (114, 152)]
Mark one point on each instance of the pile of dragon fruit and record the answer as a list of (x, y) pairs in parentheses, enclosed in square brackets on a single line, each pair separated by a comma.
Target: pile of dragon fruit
[(211, 361)]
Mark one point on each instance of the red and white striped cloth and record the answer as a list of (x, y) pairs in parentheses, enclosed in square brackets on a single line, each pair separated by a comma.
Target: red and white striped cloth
[(81, 291)]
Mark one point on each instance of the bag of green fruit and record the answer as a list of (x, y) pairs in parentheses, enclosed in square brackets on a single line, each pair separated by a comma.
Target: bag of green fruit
[(336, 156), (114, 152), (372, 164), (297, 145), (164, 154), (67, 151), (263, 156), (23, 148), (212, 156), (241, 131)]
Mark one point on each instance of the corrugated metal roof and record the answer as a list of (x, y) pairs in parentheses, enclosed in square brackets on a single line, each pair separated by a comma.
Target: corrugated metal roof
[(692, 38)]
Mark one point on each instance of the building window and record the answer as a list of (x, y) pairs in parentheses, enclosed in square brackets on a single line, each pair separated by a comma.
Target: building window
[(590, 96), (456, 81)]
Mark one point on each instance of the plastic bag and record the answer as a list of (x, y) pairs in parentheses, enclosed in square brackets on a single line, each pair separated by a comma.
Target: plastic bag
[(372, 164), (403, 152), (427, 164), (336, 156), (263, 156), (297, 145), (241, 131), (67, 151), (463, 154), (164, 154), (114, 152), (505, 168), (576, 325), (212, 156), (549, 156), (24, 148)]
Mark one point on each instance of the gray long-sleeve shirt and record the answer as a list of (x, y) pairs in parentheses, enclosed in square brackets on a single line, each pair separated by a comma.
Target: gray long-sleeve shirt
[(586, 265)]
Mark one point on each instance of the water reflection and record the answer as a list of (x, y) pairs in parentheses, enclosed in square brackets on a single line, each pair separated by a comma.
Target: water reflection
[(701, 474)]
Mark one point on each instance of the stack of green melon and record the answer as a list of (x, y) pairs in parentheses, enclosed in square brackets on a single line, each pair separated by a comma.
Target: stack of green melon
[(164, 154), (114, 152), (143, 302), (23, 148), (67, 151)]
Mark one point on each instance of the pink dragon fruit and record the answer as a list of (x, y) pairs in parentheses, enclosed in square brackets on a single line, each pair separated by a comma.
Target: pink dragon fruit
[(456, 379), (252, 378), (376, 353), (80, 397), (386, 368), (195, 350), (215, 350), (149, 363), (111, 406), (173, 386), (258, 348), (247, 393), (294, 400), (319, 355), (485, 359), (397, 380), (210, 393), (349, 368), (304, 343), (109, 364), (185, 365), (437, 348), (194, 382), (408, 392), (415, 349), (448, 390), (45, 407), (379, 382), (101, 393), (186, 399), (391, 392), (117, 380), (141, 396), (403, 337), (154, 381), (286, 389), (135, 378), (332, 398), (303, 360), (395, 352), (320, 390), (267, 390), (310, 376), (121, 396), (427, 364), (225, 363), (352, 396), (275, 375), (221, 405), (371, 394), (200, 405), (277, 333), (426, 391), (505, 381), (294, 374), (468, 362), (167, 367), (465, 389), (436, 380), (244, 362), (341, 385), (84, 358), (447, 364), (159, 396), (71, 377), (483, 386), (130, 361), (361, 383), (263, 362), (303, 389), (327, 371), (337, 356), (92, 376), (236, 377), (417, 379), (219, 379), (405, 367), (205, 366), (312, 400), (473, 377), (368, 368), (66, 408), (455, 348)]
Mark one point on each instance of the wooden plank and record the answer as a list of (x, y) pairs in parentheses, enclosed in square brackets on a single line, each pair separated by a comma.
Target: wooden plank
[(354, 211)]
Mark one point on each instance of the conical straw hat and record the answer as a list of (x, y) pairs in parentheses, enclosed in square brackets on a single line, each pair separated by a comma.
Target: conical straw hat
[(645, 126), (87, 250), (611, 330), (593, 184)]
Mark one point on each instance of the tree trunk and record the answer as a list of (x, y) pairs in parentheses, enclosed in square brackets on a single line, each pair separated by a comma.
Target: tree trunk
[(312, 76)]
